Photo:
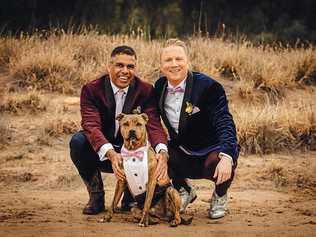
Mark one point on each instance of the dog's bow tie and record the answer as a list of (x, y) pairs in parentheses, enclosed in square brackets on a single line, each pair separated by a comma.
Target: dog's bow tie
[(174, 90), (128, 154)]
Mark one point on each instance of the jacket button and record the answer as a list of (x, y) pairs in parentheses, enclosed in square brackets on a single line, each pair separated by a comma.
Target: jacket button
[(140, 188), (135, 174), (134, 160)]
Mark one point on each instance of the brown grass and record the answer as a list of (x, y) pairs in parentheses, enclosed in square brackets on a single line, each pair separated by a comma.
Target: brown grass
[(60, 125), (258, 79), (278, 174), (19, 103), (65, 61), (269, 128), (9, 50), (5, 132), (301, 178)]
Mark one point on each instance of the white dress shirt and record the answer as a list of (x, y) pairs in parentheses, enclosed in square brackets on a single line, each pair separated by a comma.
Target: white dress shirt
[(173, 104)]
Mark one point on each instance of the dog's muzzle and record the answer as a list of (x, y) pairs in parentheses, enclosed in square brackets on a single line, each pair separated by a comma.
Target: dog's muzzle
[(132, 134)]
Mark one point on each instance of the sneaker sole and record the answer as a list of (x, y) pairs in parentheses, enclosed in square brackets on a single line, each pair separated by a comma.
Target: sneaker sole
[(216, 217)]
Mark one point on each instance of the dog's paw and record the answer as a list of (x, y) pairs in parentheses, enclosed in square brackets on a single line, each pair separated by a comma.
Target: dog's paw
[(144, 222), (186, 219), (173, 223), (106, 219)]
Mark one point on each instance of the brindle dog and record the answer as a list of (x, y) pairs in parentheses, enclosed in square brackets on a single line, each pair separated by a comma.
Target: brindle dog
[(133, 130)]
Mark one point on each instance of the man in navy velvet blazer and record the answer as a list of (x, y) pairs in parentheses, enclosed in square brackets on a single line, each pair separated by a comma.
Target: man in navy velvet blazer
[(202, 134), (97, 147)]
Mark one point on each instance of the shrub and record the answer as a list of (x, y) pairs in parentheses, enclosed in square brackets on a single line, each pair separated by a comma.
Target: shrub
[(61, 125), (18, 103)]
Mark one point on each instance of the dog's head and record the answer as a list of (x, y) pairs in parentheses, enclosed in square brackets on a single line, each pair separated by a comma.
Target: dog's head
[(133, 129)]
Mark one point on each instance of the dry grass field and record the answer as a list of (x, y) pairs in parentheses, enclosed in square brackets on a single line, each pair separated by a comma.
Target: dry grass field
[(271, 90)]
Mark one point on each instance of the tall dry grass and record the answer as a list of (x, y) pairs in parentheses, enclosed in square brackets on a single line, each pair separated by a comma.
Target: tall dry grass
[(258, 77), (272, 128), (5, 133), (255, 67), (65, 61), (61, 124), (20, 103)]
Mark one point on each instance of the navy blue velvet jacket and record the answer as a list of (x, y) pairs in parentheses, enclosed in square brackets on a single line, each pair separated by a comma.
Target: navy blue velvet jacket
[(210, 129)]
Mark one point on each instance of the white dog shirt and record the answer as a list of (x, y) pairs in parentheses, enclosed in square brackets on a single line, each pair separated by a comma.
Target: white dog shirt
[(135, 164)]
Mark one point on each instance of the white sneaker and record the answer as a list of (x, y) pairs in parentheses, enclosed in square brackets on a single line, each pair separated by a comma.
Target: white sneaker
[(218, 206), (186, 198)]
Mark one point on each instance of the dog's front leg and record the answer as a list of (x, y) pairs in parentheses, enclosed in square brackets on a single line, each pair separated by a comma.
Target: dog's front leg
[(149, 196), (119, 189)]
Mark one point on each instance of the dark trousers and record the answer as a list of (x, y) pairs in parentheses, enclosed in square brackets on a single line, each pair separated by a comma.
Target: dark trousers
[(88, 163), (181, 166)]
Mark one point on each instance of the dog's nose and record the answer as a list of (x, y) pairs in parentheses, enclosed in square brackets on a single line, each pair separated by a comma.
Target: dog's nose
[(132, 134)]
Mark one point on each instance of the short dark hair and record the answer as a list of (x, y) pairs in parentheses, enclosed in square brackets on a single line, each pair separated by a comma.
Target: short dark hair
[(123, 49)]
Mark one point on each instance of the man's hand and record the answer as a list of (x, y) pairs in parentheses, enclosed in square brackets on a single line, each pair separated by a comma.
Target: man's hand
[(223, 170), (116, 160), (162, 166)]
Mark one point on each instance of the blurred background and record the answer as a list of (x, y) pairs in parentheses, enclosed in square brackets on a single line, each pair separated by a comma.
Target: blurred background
[(262, 21)]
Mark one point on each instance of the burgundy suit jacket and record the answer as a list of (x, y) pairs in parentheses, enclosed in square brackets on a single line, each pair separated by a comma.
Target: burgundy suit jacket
[(97, 106)]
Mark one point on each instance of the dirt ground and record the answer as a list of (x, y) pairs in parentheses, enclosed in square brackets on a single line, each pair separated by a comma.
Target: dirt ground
[(42, 194)]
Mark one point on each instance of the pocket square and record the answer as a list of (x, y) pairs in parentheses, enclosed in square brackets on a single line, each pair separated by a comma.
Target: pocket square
[(195, 110)]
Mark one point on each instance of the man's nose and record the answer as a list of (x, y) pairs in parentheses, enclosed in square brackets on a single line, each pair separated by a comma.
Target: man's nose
[(124, 69), (174, 62)]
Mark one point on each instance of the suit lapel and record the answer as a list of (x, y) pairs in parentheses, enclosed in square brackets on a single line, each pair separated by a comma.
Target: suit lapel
[(130, 98), (162, 98), (186, 98), (109, 95)]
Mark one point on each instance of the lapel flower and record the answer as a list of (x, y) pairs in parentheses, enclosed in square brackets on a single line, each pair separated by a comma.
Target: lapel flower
[(137, 110), (189, 108)]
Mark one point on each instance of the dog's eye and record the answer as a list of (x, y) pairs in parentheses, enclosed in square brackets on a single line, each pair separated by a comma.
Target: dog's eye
[(125, 124), (138, 124)]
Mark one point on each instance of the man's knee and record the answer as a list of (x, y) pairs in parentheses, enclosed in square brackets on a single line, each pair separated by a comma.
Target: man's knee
[(77, 141)]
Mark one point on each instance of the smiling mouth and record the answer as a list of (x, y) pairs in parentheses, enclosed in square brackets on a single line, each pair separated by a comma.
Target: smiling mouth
[(175, 70), (124, 79)]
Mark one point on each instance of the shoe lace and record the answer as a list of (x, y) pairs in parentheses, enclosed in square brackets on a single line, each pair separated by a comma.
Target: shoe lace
[(216, 200)]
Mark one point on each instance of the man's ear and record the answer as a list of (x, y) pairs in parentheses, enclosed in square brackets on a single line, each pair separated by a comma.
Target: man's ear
[(145, 117), (120, 116)]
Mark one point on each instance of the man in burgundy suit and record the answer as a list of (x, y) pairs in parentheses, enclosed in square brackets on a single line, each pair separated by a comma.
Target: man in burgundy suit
[(97, 147), (203, 143)]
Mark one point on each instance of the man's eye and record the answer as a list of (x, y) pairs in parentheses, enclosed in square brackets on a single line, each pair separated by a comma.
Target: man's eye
[(119, 65), (131, 67)]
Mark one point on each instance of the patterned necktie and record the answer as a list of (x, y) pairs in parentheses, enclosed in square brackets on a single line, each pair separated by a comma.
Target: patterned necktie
[(119, 100), (174, 90)]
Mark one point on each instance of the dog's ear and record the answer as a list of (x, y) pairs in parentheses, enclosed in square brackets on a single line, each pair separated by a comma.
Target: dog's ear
[(120, 116), (145, 117)]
